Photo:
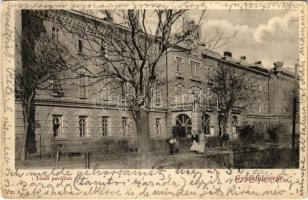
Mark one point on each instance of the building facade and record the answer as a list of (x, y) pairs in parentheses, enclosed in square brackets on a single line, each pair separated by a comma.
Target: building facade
[(79, 114)]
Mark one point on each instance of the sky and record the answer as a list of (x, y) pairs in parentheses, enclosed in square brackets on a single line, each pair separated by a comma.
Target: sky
[(268, 36), (261, 35)]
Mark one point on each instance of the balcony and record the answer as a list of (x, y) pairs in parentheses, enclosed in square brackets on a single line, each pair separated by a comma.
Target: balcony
[(195, 78), (180, 75)]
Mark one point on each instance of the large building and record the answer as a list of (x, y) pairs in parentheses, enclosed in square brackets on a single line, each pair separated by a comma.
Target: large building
[(79, 114)]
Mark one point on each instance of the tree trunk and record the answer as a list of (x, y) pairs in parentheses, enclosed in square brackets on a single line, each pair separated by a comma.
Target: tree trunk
[(29, 132), (294, 121), (225, 126), (26, 128), (143, 133)]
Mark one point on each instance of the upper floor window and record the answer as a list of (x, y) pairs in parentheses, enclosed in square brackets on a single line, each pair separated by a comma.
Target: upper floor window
[(82, 126), (55, 33), (179, 64), (261, 108), (194, 68), (80, 44), (83, 81), (179, 89), (195, 90), (57, 125), (158, 126), (57, 88), (104, 126), (157, 90), (153, 53), (260, 88), (104, 50)]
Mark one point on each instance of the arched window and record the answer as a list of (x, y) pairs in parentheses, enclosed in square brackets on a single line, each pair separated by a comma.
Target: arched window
[(183, 124), (157, 90)]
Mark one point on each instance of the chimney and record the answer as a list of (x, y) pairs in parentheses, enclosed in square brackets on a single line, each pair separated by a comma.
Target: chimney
[(277, 67), (243, 58), (228, 54), (258, 63)]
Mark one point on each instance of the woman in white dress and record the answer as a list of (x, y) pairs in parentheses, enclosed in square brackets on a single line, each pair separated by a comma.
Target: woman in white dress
[(201, 146), (195, 140)]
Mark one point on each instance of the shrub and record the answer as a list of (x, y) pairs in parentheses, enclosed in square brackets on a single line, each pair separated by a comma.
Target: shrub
[(248, 134), (213, 141), (272, 133)]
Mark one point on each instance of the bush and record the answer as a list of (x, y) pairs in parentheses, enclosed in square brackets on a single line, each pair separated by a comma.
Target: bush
[(272, 133), (213, 141), (247, 134)]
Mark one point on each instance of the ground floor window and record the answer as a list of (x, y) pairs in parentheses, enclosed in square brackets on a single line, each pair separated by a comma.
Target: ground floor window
[(158, 126), (235, 124), (124, 125), (57, 125), (206, 124), (104, 126)]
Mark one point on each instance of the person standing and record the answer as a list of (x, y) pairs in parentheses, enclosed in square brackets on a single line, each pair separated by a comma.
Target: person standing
[(171, 142), (195, 141)]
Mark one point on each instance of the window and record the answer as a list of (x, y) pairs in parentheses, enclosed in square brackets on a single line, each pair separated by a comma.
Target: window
[(104, 51), (158, 126), (252, 85), (234, 124), (178, 64), (157, 90), (55, 33), (57, 125), (80, 44), (104, 126), (82, 126), (57, 88), (206, 123), (179, 89), (194, 68), (124, 126), (153, 53), (195, 90), (260, 87), (83, 87)]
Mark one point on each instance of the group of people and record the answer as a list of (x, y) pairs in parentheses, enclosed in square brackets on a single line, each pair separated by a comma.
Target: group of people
[(198, 142)]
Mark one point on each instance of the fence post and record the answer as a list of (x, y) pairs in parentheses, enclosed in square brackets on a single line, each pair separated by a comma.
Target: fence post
[(87, 160), (57, 158)]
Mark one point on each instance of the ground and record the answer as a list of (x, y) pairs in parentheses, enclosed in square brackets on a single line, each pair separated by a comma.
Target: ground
[(155, 160), (249, 158)]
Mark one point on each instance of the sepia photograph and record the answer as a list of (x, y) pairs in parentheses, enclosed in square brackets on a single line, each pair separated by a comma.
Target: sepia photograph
[(157, 89)]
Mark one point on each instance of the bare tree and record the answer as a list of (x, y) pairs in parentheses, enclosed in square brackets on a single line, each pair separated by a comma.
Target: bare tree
[(43, 59), (231, 87), (126, 47)]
